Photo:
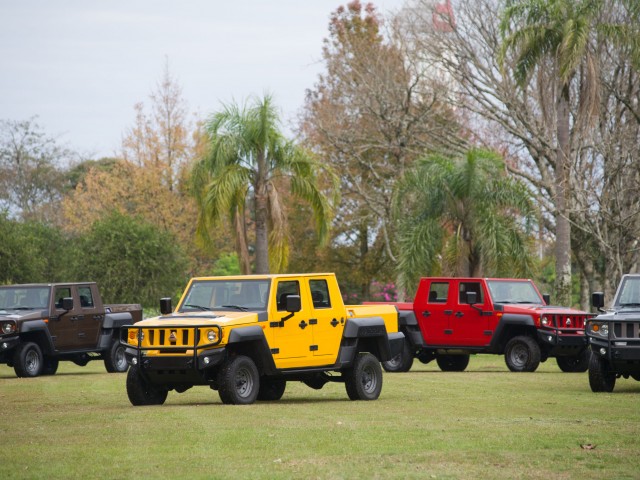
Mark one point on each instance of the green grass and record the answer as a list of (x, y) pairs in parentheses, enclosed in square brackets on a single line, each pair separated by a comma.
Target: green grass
[(482, 423)]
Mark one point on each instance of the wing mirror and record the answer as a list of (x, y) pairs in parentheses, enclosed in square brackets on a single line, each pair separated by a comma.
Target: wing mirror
[(67, 303), (547, 298), (597, 300), (294, 304), (165, 306)]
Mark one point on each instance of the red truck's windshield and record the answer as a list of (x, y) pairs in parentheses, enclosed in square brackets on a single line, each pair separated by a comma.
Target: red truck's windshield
[(506, 291)]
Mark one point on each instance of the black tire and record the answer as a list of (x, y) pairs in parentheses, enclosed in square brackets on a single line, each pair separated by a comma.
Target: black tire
[(50, 366), (452, 363), (115, 361), (141, 392), (271, 389), (28, 360), (575, 363), (238, 381), (601, 378), (522, 354), (363, 380), (401, 362)]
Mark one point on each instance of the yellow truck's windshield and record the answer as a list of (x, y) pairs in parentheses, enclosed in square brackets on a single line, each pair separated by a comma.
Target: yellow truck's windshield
[(212, 294)]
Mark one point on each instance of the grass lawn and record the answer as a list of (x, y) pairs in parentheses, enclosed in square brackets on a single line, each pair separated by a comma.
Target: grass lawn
[(483, 423)]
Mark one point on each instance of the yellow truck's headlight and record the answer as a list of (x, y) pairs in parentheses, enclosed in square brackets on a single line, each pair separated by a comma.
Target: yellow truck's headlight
[(212, 336)]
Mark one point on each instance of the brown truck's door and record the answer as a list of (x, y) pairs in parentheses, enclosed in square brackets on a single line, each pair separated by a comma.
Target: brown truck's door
[(90, 316), (62, 324)]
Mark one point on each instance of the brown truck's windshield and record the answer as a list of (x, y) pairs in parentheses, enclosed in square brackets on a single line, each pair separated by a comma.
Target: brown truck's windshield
[(24, 298), (505, 291), (234, 294)]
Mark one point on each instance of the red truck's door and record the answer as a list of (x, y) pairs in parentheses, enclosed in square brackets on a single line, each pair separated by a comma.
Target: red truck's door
[(469, 326), (432, 307)]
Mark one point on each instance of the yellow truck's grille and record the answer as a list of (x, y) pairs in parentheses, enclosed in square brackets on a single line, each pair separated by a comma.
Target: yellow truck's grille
[(175, 339)]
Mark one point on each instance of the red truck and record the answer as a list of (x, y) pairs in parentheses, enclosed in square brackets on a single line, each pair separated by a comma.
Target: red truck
[(451, 318)]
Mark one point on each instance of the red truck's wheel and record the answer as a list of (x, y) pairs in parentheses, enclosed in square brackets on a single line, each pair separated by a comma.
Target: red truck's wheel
[(575, 363), (522, 354), (452, 363)]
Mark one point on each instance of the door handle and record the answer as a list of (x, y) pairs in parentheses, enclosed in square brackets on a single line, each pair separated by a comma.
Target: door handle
[(426, 313), (448, 312), (459, 314)]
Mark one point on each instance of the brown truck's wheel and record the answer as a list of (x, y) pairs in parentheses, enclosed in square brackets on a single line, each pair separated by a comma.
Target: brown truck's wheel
[(601, 378), (271, 388), (28, 360), (238, 381), (115, 360), (363, 380), (452, 363), (401, 362), (50, 366), (522, 354), (575, 363), (141, 392)]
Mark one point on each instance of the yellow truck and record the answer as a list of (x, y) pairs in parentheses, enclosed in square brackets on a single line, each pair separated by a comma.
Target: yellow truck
[(246, 336)]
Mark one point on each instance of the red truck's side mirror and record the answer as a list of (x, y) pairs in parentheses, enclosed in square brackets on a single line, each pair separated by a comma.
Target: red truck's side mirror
[(165, 306), (547, 298), (472, 298)]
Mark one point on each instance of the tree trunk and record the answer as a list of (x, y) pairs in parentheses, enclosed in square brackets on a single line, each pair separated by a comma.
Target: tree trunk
[(241, 243), (563, 227), (262, 217)]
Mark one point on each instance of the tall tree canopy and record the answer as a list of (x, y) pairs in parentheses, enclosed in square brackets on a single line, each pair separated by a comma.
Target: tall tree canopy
[(463, 217), (248, 164)]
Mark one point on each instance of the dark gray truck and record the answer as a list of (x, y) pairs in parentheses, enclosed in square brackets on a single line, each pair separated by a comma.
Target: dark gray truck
[(614, 336), (42, 324)]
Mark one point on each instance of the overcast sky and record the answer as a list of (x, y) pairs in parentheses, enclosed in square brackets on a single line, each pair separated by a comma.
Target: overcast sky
[(80, 65)]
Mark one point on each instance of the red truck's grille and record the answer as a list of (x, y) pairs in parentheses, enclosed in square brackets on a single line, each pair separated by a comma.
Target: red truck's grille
[(566, 323)]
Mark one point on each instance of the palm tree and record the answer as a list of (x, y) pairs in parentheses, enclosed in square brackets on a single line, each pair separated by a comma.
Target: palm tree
[(560, 32), (462, 217), (249, 162)]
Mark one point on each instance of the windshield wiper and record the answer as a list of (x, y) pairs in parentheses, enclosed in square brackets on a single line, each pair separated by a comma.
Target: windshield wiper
[(199, 307), (237, 307), (23, 308), (630, 305)]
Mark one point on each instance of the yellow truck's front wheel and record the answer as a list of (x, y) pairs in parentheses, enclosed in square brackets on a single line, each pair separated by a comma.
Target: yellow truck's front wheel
[(238, 381)]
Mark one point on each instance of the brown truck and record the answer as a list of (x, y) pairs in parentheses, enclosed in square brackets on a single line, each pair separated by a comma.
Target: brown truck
[(41, 324)]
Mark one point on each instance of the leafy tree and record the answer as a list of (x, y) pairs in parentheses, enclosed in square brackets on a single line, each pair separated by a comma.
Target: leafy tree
[(131, 259), (467, 217), (250, 162), (31, 178), (32, 252), (556, 35)]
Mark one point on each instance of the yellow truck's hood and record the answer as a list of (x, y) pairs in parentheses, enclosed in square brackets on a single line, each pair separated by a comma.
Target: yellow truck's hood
[(222, 318)]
